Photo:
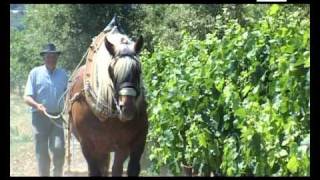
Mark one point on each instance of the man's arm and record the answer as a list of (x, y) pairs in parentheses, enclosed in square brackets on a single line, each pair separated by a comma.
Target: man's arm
[(31, 102), (30, 92)]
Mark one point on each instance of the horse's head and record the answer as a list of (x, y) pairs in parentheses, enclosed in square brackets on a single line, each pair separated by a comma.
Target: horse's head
[(125, 73)]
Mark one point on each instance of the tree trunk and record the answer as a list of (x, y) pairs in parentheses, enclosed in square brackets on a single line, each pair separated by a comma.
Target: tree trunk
[(187, 170)]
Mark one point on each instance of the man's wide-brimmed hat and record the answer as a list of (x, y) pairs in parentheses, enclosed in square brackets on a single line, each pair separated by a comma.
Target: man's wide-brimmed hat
[(49, 48)]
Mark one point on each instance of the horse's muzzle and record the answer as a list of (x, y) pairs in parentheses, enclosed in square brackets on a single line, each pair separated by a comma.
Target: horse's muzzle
[(127, 97), (124, 117)]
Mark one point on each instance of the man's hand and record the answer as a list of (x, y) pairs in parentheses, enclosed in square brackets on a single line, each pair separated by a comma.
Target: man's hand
[(31, 102), (41, 108)]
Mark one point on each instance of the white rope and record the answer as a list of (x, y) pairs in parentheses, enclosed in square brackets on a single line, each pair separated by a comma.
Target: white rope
[(71, 77), (52, 116)]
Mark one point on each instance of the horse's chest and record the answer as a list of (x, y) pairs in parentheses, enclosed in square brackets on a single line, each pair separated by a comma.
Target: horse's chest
[(114, 138)]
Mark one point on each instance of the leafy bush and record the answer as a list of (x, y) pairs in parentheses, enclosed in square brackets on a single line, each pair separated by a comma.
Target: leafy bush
[(236, 103)]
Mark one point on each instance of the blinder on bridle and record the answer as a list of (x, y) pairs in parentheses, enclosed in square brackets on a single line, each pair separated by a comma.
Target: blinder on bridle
[(127, 87)]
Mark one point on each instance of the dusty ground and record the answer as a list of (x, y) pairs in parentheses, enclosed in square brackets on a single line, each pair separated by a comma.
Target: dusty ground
[(22, 155)]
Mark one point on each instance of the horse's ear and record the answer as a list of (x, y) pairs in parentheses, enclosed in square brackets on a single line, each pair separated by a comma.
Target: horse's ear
[(138, 45), (109, 46)]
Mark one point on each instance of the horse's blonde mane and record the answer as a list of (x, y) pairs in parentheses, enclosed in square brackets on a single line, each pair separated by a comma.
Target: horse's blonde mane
[(101, 81)]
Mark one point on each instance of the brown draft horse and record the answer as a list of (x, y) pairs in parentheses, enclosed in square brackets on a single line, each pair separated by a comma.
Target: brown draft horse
[(118, 74)]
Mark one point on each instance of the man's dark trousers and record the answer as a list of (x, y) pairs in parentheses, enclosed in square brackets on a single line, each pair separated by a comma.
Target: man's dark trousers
[(48, 136)]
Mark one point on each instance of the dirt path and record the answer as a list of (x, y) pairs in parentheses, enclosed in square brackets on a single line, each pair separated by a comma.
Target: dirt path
[(22, 152), (23, 160)]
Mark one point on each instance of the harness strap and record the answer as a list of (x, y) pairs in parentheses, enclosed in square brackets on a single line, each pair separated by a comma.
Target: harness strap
[(76, 97), (126, 85), (99, 109), (127, 92)]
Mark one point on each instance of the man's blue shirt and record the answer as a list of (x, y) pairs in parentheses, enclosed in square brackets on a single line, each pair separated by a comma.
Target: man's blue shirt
[(47, 87)]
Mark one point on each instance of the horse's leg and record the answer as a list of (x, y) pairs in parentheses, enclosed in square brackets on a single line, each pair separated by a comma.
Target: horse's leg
[(119, 158), (93, 164), (135, 156), (105, 166), (134, 162), (93, 167), (136, 153), (99, 165)]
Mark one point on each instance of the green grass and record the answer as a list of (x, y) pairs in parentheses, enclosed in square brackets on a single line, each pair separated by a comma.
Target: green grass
[(20, 120), (22, 160)]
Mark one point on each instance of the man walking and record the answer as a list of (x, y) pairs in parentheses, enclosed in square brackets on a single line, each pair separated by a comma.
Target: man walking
[(44, 88)]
